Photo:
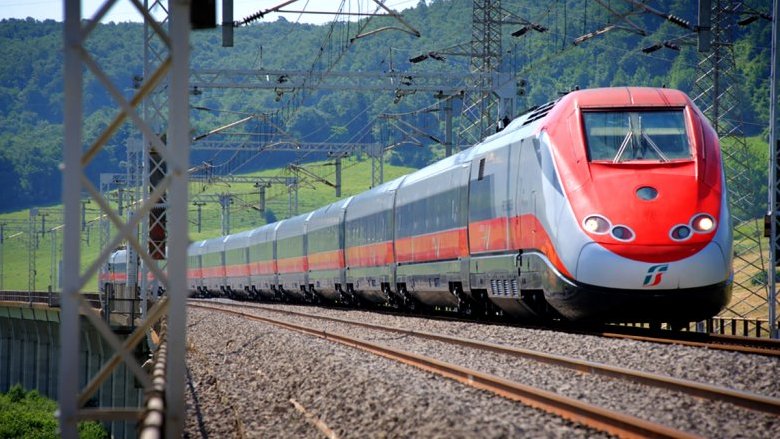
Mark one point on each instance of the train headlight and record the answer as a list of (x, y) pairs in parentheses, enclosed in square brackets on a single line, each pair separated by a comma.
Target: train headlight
[(596, 224), (680, 233), (622, 233), (703, 223)]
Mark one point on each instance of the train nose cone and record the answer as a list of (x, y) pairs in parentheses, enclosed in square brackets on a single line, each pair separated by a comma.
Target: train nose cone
[(600, 267)]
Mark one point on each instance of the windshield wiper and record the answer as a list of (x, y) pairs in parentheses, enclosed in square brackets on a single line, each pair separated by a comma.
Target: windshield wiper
[(625, 143), (655, 148), (623, 147)]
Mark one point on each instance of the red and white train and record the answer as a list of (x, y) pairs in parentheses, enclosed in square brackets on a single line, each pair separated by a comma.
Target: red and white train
[(607, 204)]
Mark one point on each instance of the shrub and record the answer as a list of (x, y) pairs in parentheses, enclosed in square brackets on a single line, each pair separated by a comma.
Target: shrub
[(30, 415)]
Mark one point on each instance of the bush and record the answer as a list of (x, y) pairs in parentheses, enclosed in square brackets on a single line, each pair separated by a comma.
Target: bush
[(30, 415)]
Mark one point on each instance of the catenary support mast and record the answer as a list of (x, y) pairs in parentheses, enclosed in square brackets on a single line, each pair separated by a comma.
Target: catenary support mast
[(175, 151)]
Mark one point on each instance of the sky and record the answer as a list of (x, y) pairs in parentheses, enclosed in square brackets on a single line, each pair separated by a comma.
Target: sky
[(123, 10)]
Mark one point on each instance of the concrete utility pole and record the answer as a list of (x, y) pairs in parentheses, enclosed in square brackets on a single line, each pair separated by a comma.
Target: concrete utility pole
[(225, 200), (32, 244), (199, 205)]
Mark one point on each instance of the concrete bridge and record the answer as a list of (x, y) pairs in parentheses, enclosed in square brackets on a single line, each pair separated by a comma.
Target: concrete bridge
[(30, 352)]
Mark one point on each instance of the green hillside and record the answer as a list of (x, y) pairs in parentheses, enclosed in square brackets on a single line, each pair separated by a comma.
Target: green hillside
[(15, 264), (31, 92)]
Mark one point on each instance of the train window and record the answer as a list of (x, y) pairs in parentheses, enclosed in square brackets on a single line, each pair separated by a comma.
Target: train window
[(481, 169), (619, 136)]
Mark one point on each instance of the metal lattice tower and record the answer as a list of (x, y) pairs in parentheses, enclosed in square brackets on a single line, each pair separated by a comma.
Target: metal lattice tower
[(717, 95), (73, 395), (774, 172), (155, 106), (479, 115)]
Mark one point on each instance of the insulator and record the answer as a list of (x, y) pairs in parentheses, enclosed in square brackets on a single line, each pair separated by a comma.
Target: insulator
[(256, 16), (679, 21), (652, 48), (520, 32), (671, 45)]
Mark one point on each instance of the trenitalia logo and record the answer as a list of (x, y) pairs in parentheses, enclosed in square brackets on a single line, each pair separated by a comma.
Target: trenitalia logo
[(655, 275)]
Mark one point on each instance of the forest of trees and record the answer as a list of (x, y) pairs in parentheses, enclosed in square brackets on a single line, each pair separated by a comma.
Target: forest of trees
[(31, 85)]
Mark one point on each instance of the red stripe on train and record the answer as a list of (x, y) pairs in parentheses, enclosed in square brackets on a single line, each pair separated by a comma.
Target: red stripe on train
[(370, 255), (292, 265), (328, 260), (525, 232), (449, 244)]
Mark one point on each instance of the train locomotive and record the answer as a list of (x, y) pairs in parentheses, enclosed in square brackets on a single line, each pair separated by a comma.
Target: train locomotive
[(605, 205)]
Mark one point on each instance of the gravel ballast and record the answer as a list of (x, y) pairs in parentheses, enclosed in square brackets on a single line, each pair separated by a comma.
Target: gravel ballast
[(344, 387), (243, 375)]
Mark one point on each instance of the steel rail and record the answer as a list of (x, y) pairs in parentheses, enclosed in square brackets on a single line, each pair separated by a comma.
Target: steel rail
[(734, 343), (747, 345), (745, 399), (612, 422)]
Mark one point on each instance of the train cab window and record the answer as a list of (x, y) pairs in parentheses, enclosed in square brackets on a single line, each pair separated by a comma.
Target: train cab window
[(620, 136)]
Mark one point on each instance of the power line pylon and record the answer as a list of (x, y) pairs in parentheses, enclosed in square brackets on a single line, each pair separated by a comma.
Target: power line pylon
[(717, 95), (481, 114)]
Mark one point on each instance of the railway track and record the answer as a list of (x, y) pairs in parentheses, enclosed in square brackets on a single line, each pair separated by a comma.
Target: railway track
[(748, 345), (606, 420)]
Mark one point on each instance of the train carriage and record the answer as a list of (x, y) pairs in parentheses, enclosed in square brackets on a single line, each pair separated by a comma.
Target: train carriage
[(431, 245), (262, 261), (368, 246), (116, 268), (237, 280), (325, 250), (213, 265), (507, 198), (195, 266), (292, 263)]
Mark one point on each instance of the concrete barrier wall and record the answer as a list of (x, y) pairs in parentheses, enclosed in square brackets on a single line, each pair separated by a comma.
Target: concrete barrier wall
[(30, 351)]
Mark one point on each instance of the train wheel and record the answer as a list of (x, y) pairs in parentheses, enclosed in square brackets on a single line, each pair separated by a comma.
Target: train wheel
[(391, 298), (353, 297), (678, 326), (408, 301)]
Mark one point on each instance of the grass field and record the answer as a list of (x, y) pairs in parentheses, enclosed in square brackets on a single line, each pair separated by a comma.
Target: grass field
[(356, 178)]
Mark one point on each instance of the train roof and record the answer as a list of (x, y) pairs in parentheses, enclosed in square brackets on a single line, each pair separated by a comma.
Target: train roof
[(118, 257), (328, 215), (236, 240), (194, 248), (213, 245), (292, 226), (535, 119), (625, 97), (263, 233), (374, 200)]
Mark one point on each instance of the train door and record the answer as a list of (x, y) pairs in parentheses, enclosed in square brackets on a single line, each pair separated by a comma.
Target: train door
[(489, 203), (524, 186)]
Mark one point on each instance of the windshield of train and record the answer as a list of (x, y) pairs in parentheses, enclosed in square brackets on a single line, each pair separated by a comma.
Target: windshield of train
[(620, 136)]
